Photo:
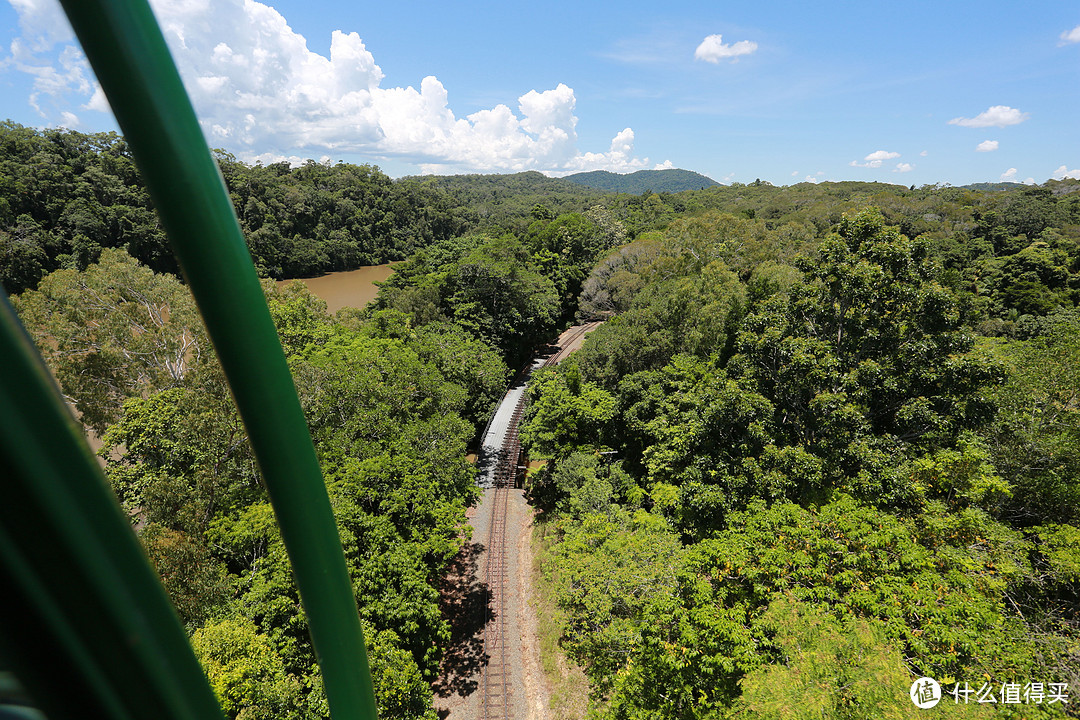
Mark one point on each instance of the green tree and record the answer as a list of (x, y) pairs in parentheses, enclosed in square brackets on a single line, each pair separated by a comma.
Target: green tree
[(494, 293), (245, 671), (195, 581), (114, 331), (565, 413), (866, 359), (831, 669), (1036, 440)]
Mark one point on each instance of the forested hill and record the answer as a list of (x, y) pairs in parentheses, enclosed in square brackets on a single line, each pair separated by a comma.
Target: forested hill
[(642, 181), (508, 200), (991, 186)]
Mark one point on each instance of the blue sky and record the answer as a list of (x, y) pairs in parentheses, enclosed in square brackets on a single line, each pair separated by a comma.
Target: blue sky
[(912, 93)]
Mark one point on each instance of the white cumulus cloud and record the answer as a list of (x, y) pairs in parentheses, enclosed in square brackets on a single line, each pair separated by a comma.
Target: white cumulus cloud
[(995, 116), (1009, 175), (1070, 36), (666, 165), (618, 158), (987, 146), (875, 159), (903, 167), (1063, 172), (259, 91), (712, 49)]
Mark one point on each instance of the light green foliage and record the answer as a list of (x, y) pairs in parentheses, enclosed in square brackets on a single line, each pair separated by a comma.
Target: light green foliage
[(507, 202), (612, 285), (566, 247), (963, 477), (693, 242), (699, 430), (606, 570), (1060, 545), (697, 313), (186, 457), (457, 355), (581, 482), (299, 316), (246, 673), (862, 580), (565, 413), (832, 669), (400, 691), (113, 331)]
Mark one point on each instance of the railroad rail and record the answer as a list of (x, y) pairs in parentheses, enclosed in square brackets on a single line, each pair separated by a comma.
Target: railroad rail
[(495, 680), (566, 343)]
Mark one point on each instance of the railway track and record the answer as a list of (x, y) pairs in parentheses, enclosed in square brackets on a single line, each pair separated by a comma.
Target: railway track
[(495, 682), (495, 687), (566, 343)]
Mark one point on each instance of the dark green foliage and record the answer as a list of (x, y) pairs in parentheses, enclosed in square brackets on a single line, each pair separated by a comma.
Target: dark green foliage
[(490, 287), (495, 294), (819, 458), (642, 181), (1037, 435), (506, 202), (65, 195), (565, 411), (319, 218)]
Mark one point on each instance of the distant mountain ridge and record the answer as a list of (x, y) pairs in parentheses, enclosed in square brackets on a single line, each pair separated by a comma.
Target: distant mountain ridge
[(636, 183), (992, 186)]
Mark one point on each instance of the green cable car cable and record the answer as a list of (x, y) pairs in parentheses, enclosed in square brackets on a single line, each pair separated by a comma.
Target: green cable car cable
[(125, 47)]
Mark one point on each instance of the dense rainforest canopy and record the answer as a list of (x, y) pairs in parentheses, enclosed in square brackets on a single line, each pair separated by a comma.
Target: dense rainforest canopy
[(827, 440)]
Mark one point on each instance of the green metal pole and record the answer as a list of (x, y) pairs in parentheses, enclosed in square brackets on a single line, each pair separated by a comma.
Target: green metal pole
[(125, 47), (84, 620)]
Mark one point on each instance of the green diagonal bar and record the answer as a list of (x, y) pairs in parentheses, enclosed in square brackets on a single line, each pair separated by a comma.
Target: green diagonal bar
[(84, 621), (125, 47)]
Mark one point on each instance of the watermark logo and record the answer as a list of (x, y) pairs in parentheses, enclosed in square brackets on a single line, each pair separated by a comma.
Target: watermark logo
[(925, 693)]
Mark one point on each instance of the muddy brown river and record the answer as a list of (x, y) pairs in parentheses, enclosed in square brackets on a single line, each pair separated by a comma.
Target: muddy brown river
[(353, 288)]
